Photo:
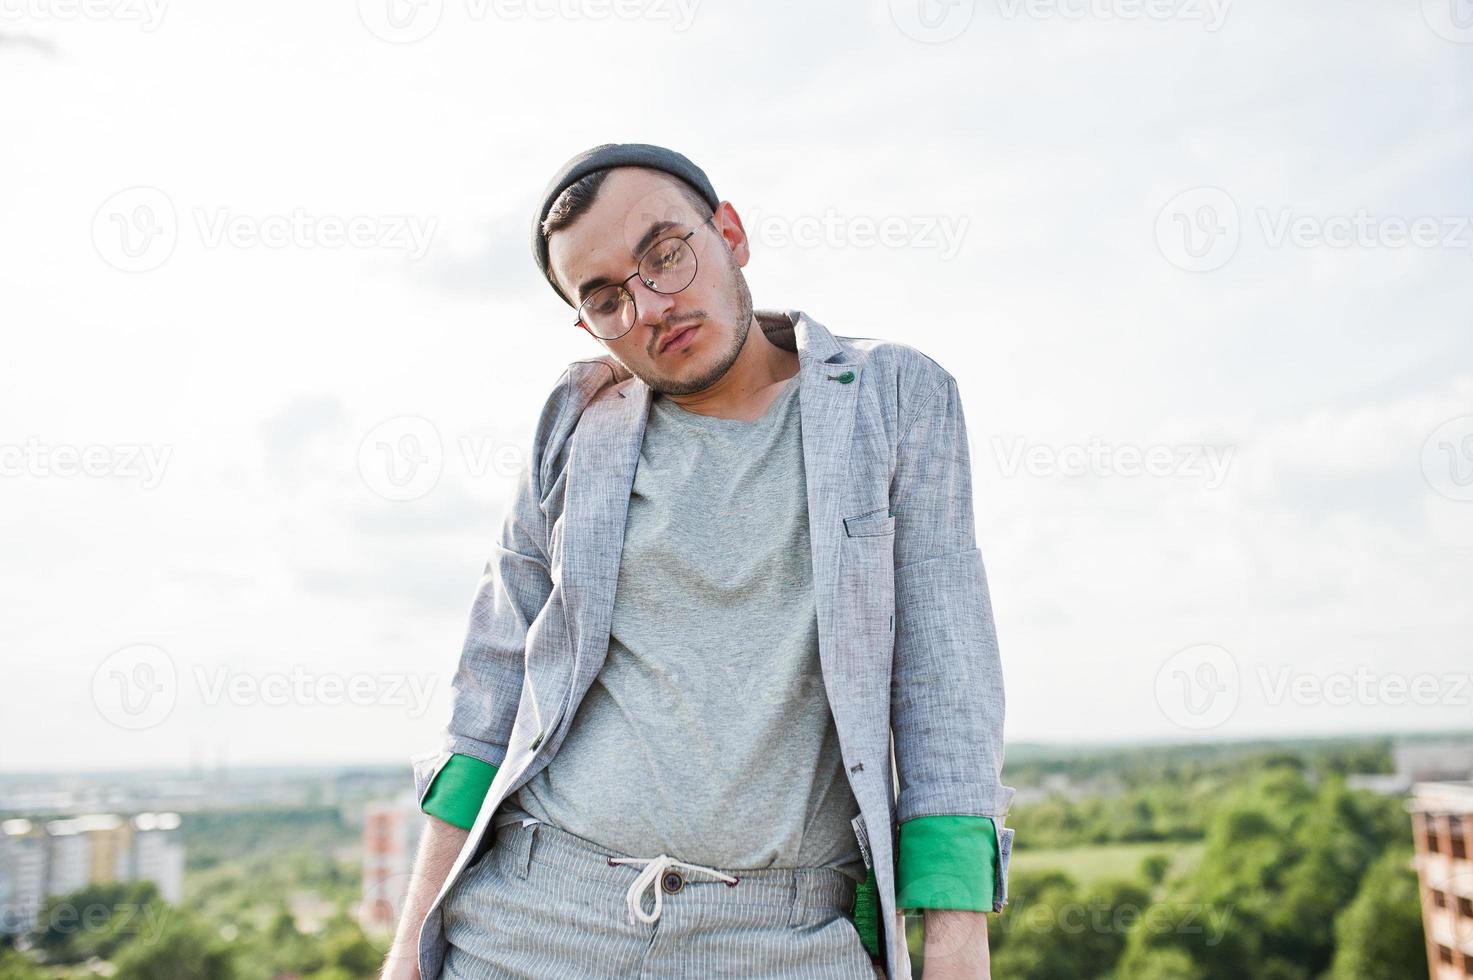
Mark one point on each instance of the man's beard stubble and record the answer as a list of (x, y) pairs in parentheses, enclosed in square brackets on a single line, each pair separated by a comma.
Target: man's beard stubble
[(742, 295)]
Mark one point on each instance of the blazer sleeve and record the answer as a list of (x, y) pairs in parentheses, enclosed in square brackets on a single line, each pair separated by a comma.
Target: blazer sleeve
[(946, 698), (515, 585)]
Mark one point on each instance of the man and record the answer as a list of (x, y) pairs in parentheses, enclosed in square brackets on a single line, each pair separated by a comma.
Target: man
[(730, 700)]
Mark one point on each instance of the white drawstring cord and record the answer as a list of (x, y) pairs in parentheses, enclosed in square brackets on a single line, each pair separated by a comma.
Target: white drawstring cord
[(654, 868)]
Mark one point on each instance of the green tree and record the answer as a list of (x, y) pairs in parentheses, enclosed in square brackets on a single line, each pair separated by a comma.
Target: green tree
[(1060, 932), (97, 920), (16, 966), (1332, 853), (1154, 868), (185, 950), (1379, 935), (1165, 964)]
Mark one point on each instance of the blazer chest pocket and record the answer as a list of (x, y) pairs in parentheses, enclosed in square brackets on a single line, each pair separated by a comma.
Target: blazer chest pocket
[(874, 523), (867, 593)]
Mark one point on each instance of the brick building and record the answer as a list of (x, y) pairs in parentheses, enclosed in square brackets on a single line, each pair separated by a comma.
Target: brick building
[(1442, 823)]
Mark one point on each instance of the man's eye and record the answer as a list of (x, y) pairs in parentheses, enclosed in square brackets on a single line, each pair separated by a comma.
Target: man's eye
[(605, 303), (667, 255)]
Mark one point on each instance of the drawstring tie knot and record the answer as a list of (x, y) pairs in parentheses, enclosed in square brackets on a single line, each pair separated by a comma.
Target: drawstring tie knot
[(654, 868)]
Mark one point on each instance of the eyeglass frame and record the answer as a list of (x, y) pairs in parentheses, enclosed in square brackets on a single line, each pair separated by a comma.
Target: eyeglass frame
[(623, 285)]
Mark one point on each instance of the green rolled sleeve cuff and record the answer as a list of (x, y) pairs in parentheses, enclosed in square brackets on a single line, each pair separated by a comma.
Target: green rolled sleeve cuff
[(948, 861), (458, 789)]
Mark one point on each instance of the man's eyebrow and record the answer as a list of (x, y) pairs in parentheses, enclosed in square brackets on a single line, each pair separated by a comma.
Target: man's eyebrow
[(645, 241)]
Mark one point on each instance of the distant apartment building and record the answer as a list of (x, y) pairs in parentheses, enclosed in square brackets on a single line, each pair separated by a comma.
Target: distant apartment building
[(391, 834), (24, 869), (58, 857), (158, 854), (1442, 824)]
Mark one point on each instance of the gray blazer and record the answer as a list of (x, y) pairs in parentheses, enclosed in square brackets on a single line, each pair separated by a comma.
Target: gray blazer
[(905, 631)]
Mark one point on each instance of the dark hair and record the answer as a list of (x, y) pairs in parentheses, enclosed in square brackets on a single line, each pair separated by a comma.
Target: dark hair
[(574, 202)]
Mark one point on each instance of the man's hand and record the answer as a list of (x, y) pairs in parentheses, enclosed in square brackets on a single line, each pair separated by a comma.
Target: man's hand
[(401, 965), (956, 946)]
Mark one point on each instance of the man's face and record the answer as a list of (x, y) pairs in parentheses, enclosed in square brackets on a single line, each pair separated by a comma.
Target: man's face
[(636, 207)]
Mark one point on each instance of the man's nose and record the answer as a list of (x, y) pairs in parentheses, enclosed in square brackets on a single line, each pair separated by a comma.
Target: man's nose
[(653, 307)]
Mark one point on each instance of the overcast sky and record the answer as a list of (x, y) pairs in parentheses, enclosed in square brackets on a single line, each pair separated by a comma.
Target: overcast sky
[(1203, 269)]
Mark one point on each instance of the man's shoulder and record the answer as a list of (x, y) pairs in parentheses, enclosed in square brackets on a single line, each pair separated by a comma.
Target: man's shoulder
[(581, 383), (906, 374)]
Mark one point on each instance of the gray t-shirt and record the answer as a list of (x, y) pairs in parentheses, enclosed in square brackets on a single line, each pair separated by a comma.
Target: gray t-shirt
[(707, 734)]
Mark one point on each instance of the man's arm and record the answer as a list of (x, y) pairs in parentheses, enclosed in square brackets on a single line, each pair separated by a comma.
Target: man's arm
[(451, 784), (438, 849), (956, 946), (947, 701), (515, 586)]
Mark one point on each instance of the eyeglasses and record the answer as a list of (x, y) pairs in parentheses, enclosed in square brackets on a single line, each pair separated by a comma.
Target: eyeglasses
[(668, 266)]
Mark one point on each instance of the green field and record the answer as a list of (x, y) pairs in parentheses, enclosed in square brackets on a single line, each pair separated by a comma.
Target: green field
[(1096, 862)]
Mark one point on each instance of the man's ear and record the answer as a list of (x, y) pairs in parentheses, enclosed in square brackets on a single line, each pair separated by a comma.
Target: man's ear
[(733, 233)]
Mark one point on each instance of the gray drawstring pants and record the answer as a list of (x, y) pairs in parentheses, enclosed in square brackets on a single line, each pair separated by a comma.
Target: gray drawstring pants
[(545, 904)]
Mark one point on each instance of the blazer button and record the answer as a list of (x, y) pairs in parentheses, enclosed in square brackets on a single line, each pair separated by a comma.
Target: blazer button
[(846, 377)]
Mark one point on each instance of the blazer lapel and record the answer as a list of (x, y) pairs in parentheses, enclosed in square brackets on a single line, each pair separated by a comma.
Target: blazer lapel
[(601, 470), (827, 411)]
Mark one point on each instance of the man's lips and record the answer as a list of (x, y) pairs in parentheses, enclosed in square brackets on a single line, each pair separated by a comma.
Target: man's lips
[(676, 336)]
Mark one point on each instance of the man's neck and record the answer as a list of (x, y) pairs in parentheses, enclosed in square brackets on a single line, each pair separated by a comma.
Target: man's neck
[(749, 385)]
